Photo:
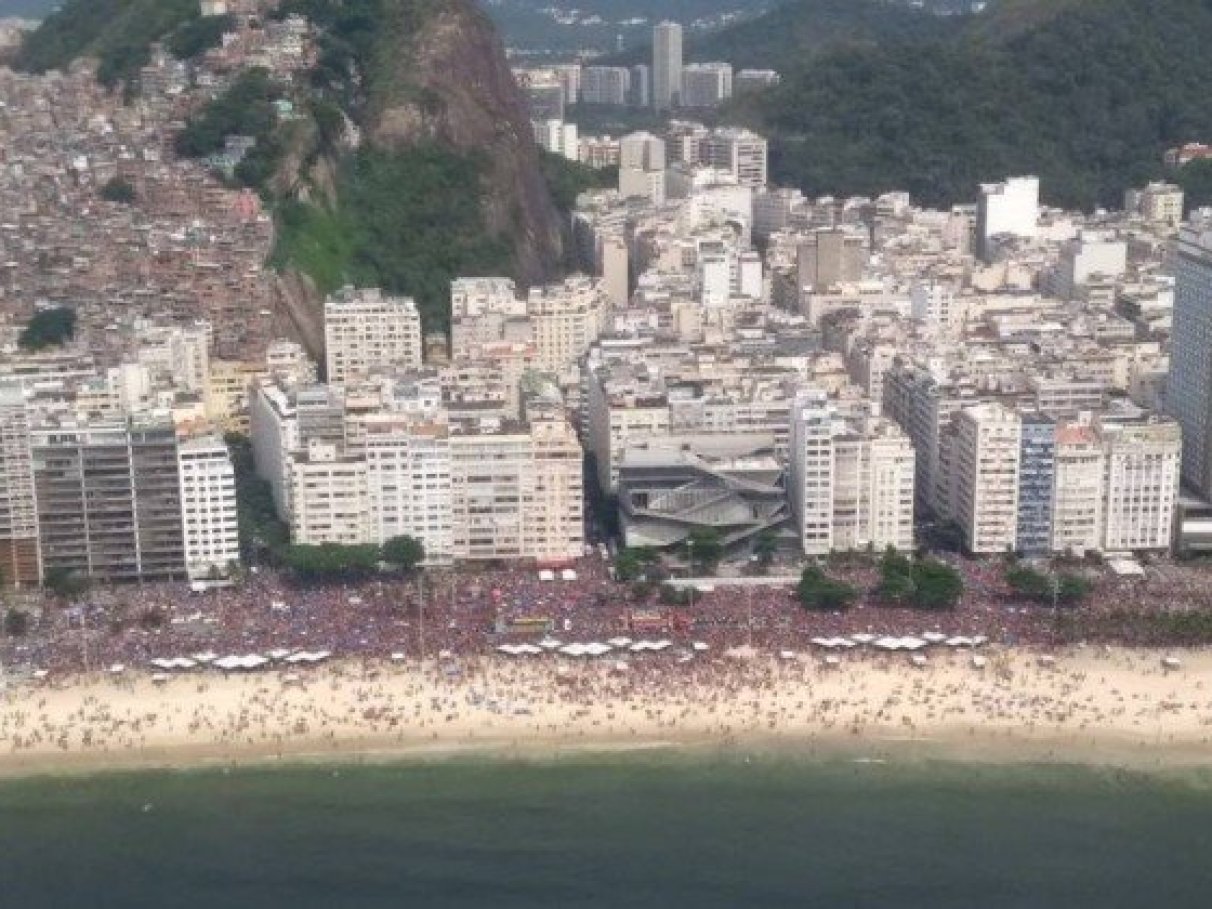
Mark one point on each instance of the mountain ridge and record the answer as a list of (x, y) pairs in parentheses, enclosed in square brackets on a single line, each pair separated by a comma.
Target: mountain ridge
[(1086, 93)]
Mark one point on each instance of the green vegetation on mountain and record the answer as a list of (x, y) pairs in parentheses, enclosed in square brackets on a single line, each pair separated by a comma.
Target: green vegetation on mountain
[(118, 32), (568, 179), (1084, 93), (410, 221), (245, 109), (199, 35)]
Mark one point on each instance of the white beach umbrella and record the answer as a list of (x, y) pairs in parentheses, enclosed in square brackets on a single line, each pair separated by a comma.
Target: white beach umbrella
[(919, 659), (833, 660), (1171, 662), (787, 654), (117, 669), (978, 661), (397, 656), (159, 678)]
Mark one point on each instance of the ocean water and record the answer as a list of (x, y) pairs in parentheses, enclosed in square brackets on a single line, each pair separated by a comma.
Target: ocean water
[(651, 831)]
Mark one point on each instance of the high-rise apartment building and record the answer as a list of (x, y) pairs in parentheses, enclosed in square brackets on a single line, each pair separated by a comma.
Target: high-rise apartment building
[(365, 330), (19, 560), (850, 481), (210, 529), (987, 448), (109, 499), (1036, 477), (706, 85), (606, 85), (739, 152), (666, 66), (1189, 388)]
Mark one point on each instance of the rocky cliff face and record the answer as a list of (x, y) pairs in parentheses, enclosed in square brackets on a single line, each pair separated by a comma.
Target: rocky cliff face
[(448, 81)]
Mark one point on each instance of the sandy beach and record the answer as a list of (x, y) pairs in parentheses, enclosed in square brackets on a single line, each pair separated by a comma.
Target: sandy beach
[(1101, 705)]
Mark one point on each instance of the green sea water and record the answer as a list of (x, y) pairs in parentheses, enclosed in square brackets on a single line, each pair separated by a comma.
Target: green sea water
[(646, 831)]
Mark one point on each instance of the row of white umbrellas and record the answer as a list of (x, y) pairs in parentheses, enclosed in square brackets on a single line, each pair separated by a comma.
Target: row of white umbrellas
[(594, 648), (906, 642), (236, 661)]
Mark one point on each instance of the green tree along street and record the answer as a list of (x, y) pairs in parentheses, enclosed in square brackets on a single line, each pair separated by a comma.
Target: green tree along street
[(1066, 589), (819, 592), (634, 562), (936, 585), (331, 561), (404, 552), (116, 189), (69, 585), (765, 547), (262, 533), (48, 328), (17, 623), (703, 549), (920, 583)]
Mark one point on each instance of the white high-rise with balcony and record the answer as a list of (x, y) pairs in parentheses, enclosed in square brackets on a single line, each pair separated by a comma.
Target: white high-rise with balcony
[(365, 330), (208, 507)]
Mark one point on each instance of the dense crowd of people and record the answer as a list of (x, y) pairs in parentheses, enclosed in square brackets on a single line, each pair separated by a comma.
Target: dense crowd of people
[(472, 611)]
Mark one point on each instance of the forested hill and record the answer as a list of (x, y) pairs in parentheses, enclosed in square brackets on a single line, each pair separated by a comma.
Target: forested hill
[(1086, 93), (788, 34)]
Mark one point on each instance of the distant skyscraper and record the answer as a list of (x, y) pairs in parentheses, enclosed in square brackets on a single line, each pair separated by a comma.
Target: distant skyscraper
[(641, 85), (666, 65), (1189, 389)]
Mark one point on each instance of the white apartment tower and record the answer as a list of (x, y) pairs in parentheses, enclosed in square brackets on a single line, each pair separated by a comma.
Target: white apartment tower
[(365, 330), (1010, 208), (1079, 490), (1142, 483), (850, 481), (408, 484), (1189, 388), (987, 443), (328, 497), (666, 66), (208, 507)]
